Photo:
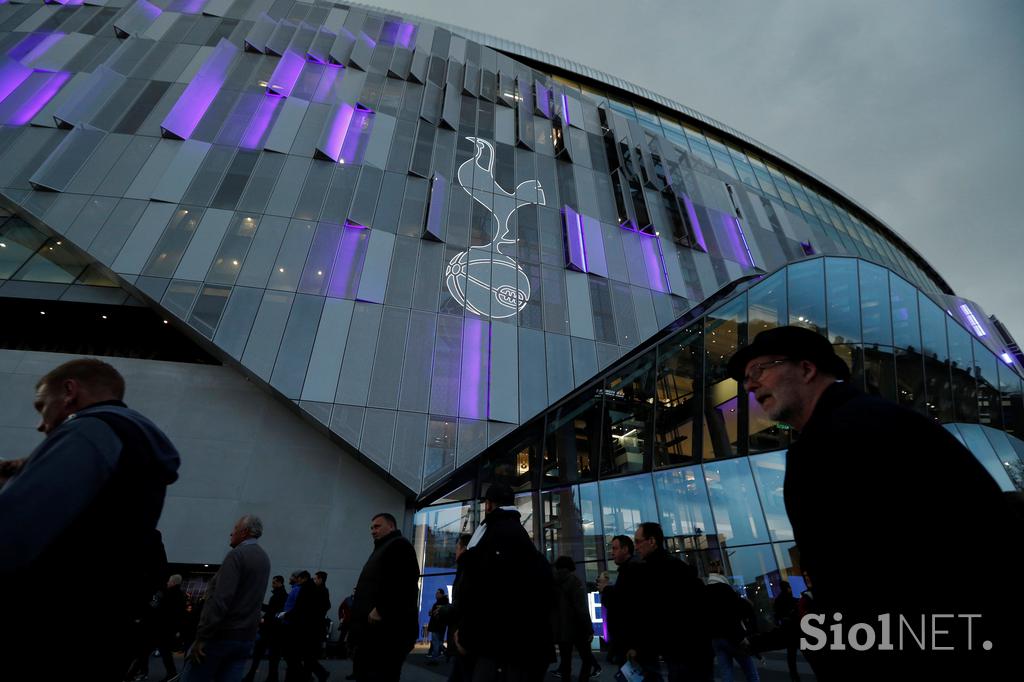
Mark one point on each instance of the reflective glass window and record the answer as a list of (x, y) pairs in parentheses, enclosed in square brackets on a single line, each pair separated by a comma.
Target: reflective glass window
[(1013, 409), (629, 416), (722, 338), (572, 523), (679, 365), (573, 442), (874, 304), (167, 254), (738, 516), (769, 475), (626, 503), (880, 371), (754, 574), (961, 356), (910, 383), (436, 531), (685, 509), (766, 304), (906, 332), (288, 268), (19, 241), (986, 372), (807, 294)]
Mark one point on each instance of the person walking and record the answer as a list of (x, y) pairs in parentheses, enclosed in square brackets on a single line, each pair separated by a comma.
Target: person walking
[(230, 619), (268, 643), (385, 612), (94, 488), (864, 472), (438, 624), (615, 600), (512, 644), (570, 620), (669, 617), (787, 621), (730, 623)]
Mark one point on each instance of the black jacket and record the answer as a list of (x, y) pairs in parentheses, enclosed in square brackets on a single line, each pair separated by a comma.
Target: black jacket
[(503, 598), (884, 503), (670, 603), (389, 582), (570, 617), (617, 605)]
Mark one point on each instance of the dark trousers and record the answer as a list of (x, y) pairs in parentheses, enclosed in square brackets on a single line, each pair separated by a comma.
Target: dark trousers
[(586, 656), (267, 646), (377, 659)]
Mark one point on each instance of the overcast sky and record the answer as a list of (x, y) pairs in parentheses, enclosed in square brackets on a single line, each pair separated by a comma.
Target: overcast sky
[(914, 108)]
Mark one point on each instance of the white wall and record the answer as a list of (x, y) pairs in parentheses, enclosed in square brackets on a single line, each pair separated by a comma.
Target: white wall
[(241, 452)]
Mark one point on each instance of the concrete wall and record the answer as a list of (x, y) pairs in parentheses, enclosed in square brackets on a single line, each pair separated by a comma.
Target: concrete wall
[(242, 452)]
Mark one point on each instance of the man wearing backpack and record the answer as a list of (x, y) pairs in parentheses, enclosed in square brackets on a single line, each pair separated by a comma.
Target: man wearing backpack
[(88, 498)]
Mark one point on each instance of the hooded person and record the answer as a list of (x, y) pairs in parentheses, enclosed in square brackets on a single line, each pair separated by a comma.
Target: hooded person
[(87, 498)]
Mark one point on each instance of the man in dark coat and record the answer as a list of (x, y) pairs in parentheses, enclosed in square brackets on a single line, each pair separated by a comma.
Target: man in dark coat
[(269, 643), (668, 619), (385, 615), (87, 498), (616, 604), (503, 597), (880, 499)]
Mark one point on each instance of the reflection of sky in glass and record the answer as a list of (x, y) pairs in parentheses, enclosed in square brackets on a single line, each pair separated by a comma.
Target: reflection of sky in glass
[(683, 501), (769, 474), (737, 512), (626, 503)]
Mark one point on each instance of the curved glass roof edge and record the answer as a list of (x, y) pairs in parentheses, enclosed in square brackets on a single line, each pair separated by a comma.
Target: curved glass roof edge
[(558, 62), (717, 300)]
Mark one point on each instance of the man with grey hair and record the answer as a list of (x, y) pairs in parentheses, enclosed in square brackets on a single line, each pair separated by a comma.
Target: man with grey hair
[(231, 618)]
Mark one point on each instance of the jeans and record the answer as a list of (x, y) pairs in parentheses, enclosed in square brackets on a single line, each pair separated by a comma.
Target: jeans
[(726, 652), (224, 661), (436, 645)]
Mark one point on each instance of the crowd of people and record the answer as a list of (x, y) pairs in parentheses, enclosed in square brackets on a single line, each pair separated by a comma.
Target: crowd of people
[(874, 533)]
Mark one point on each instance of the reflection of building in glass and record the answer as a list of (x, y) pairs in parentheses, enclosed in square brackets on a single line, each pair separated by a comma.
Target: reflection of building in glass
[(357, 262)]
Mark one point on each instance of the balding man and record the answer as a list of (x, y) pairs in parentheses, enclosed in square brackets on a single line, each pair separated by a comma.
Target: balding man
[(88, 498), (882, 501)]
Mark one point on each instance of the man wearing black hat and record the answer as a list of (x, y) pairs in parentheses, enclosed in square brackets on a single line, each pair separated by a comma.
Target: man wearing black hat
[(881, 501), (504, 597)]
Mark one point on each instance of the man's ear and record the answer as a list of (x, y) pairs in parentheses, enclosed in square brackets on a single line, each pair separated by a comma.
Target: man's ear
[(71, 389), (808, 371)]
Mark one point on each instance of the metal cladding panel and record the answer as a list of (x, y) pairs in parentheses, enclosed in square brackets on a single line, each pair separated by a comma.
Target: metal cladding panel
[(391, 225)]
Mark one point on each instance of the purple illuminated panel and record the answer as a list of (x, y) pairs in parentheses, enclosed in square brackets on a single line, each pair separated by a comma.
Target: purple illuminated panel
[(565, 109), (473, 396), (1007, 358), (12, 74), (575, 242), (654, 260), (346, 133), (66, 3), (337, 129), (348, 261), (286, 74), (543, 100), (972, 320), (691, 213), (398, 33), (256, 133), (34, 45), (34, 94), (435, 209), (196, 99), (731, 239), (187, 6)]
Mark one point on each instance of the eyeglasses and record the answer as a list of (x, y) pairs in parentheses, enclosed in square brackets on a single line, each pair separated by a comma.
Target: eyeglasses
[(757, 370)]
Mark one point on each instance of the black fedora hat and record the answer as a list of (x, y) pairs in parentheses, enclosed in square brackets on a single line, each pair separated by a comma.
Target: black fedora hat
[(795, 343)]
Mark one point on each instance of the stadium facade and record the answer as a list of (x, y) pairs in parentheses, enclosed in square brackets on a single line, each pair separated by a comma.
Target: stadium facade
[(355, 261)]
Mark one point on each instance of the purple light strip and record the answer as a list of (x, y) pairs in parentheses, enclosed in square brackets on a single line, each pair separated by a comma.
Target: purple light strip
[(472, 357), (337, 131), (565, 108), (406, 35), (743, 238), (654, 259), (50, 85), (253, 138), (574, 238), (979, 331), (1007, 358), (12, 74), (286, 74), (543, 100), (200, 93), (698, 233)]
